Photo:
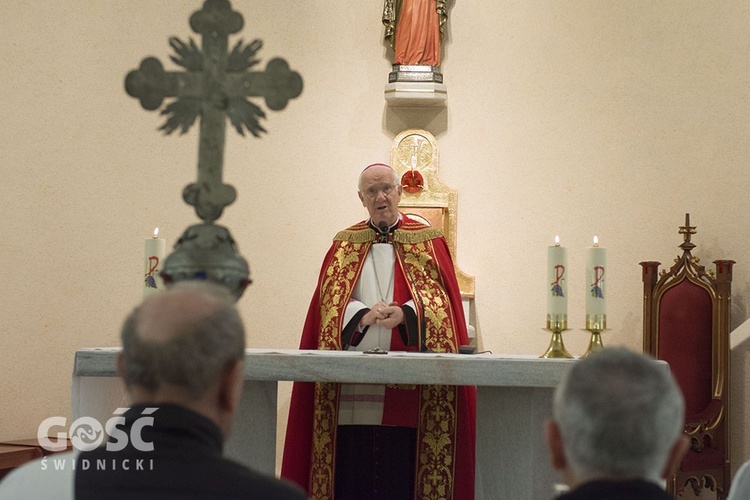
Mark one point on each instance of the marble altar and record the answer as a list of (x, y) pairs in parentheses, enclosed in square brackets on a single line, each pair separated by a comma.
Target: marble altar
[(514, 396)]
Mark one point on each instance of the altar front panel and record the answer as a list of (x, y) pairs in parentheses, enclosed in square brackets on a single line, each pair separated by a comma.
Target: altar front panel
[(514, 396)]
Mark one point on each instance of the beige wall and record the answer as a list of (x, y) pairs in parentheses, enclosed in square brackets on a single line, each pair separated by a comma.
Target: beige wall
[(564, 117)]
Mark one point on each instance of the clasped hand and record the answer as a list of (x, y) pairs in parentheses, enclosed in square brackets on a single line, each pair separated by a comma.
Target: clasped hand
[(386, 315)]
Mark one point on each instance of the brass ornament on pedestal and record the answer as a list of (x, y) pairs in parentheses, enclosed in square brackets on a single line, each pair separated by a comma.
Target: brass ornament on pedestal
[(556, 323), (596, 324), (216, 86)]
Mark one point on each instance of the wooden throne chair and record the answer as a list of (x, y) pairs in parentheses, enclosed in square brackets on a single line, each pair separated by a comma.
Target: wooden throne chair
[(414, 156), (686, 322)]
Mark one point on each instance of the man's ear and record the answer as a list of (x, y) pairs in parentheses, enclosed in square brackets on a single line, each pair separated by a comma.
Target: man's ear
[(676, 454), (555, 445), (361, 198), (230, 386)]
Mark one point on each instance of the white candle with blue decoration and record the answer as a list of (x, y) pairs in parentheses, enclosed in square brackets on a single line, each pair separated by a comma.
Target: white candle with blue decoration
[(557, 285), (596, 290), (155, 248)]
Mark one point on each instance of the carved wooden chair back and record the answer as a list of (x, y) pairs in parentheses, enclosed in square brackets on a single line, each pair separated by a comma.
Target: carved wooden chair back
[(686, 322)]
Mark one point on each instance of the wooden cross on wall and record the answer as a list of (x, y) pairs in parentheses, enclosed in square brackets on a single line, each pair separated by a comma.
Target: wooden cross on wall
[(214, 87)]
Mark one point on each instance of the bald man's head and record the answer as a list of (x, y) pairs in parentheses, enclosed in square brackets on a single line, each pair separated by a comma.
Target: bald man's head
[(181, 339), (171, 314)]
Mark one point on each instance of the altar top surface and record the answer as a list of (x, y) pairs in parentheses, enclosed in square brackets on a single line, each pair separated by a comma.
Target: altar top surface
[(394, 367)]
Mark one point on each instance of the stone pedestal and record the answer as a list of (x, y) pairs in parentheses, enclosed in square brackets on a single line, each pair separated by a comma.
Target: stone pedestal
[(416, 86)]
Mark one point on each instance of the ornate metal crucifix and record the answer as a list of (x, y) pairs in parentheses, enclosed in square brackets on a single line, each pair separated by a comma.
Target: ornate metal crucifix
[(216, 86)]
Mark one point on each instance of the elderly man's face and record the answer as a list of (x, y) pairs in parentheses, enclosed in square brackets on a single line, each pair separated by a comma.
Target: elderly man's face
[(380, 194)]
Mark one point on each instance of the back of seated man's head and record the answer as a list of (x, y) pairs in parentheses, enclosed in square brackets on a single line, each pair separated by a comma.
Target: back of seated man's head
[(178, 344), (620, 416)]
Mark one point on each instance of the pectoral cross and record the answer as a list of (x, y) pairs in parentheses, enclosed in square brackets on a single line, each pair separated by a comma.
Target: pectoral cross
[(215, 87)]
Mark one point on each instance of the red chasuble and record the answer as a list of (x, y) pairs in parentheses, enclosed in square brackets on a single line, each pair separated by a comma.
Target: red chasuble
[(444, 416)]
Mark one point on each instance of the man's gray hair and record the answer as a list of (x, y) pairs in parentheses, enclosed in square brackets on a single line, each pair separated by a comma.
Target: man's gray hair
[(619, 415), (192, 359)]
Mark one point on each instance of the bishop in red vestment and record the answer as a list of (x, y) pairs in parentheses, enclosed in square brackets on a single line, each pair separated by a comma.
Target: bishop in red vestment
[(388, 283)]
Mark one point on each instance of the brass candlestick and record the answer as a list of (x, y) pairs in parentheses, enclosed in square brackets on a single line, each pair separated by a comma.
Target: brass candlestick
[(556, 323), (596, 324)]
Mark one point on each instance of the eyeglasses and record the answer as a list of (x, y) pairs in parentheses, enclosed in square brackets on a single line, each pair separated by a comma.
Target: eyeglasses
[(373, 191)]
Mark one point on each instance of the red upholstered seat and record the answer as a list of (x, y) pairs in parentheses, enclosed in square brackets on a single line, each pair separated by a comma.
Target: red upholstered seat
[(684, 344), (686, 324), (708, 458)]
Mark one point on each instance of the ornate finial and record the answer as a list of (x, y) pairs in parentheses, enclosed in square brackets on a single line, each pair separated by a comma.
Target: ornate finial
[(687, 231)]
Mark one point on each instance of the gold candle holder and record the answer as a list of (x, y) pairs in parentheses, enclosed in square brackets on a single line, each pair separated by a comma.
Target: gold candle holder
[(596, 324), (556, 323)]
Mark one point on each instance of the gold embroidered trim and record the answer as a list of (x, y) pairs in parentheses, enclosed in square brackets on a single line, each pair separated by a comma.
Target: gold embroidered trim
[(362, 236), (336, 288), (437, 431), (436, 451), (428, 283), (418, 236), (401, 387), (367, 235), (324, 441)]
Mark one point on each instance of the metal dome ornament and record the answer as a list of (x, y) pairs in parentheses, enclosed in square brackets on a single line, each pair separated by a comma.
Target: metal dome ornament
[(215, 86), (207, 252)]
